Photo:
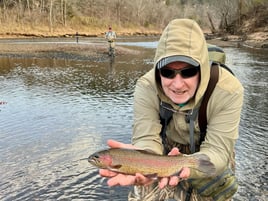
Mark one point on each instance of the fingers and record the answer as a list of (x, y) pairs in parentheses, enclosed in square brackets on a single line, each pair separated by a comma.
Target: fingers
[(116, 144), (174, 151), (174, 180), (126, 180), (163, 182), (142, 180), (121, 180), (139, 179), (116, 179), (185, 173), (107, 173)]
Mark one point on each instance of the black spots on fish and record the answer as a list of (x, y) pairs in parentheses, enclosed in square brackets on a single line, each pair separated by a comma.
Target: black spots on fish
[(205, 165)]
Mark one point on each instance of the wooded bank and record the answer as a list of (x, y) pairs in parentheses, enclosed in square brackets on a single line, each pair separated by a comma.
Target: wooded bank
[(44, 18)]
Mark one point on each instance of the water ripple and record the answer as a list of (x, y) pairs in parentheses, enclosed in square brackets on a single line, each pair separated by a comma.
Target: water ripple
[(60, 111)]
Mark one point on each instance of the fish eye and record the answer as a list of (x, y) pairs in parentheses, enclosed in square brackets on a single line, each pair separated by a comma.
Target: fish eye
[(96, 156)]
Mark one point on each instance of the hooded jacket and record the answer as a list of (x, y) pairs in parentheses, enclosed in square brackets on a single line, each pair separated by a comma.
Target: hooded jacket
[(184, 37)]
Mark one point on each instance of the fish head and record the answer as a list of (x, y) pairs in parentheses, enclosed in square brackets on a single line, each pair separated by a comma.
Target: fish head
[(101, 159)]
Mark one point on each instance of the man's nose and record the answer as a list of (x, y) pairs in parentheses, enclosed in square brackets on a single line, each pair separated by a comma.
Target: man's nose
[(178, 81)]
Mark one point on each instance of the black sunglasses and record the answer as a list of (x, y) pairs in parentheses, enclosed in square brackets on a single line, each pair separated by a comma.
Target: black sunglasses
[(185, 72)]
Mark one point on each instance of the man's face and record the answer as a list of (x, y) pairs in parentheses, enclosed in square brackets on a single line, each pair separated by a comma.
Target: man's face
[(179, 89)]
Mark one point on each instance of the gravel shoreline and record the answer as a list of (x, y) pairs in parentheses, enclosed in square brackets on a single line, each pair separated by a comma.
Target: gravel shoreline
[(76, 51), (93, 50)]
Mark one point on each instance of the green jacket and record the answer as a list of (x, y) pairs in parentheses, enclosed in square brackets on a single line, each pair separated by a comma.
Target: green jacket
[(184, 37)]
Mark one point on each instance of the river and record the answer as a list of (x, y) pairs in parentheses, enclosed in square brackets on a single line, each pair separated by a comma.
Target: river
[(55, 112)]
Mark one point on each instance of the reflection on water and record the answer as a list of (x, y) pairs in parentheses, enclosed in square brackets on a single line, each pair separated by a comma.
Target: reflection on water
[(60, 111), (251, 68)]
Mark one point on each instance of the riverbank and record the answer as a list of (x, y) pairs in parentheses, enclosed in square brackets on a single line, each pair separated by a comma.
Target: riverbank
[(76, 51), (85, 49), (60, 49), (95, 49), (87, 19), (258, 39)]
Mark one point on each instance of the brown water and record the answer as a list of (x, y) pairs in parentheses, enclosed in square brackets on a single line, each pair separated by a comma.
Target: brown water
[(59, 111)]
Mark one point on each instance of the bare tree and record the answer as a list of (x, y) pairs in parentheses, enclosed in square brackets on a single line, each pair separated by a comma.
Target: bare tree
[(123, 13), (50, 16), (63, 8)]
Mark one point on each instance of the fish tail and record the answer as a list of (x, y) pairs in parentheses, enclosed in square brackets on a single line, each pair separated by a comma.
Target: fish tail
[(205, 165)]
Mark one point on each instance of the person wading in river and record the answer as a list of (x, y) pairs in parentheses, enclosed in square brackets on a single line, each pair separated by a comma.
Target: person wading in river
[(111, 36), (177, 83)]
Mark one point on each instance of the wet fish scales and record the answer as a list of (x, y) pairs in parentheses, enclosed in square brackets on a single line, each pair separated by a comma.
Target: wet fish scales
[(128, 161)]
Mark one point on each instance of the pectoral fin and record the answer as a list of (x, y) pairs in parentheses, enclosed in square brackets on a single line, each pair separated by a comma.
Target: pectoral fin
[(115, 166)]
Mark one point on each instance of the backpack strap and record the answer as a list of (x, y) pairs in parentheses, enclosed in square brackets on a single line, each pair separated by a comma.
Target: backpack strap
[(202, 117), (165, 112), (192, 117)]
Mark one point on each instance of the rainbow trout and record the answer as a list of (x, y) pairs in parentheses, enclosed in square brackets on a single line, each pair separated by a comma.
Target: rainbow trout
[(129, 161)]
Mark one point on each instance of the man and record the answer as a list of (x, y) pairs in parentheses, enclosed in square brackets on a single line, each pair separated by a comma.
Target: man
[(111, 36), (180, 78)]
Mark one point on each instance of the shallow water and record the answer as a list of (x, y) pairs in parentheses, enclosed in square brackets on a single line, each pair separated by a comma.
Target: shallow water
[(57, 112)]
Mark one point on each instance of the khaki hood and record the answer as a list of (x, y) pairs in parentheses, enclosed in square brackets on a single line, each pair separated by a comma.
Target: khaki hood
[(184, 37)]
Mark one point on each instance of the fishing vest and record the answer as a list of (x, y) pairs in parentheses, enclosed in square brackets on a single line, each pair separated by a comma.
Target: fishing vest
[(110, 35)]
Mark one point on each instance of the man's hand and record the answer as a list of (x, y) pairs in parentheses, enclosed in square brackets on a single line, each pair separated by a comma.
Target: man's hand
[(174, 180)]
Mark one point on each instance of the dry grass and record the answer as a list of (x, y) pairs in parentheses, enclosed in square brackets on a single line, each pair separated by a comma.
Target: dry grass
[(9, 30)]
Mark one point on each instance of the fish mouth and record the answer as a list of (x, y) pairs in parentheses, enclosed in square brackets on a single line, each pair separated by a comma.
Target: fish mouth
[(93, 159)]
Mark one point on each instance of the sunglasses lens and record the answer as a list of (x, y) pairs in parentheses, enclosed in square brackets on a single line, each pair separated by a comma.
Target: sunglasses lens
[(189, 72), (167, 73), (185, 73)]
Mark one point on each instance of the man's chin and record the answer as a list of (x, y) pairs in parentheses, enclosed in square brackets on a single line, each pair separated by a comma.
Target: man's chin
[(179, 100)]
